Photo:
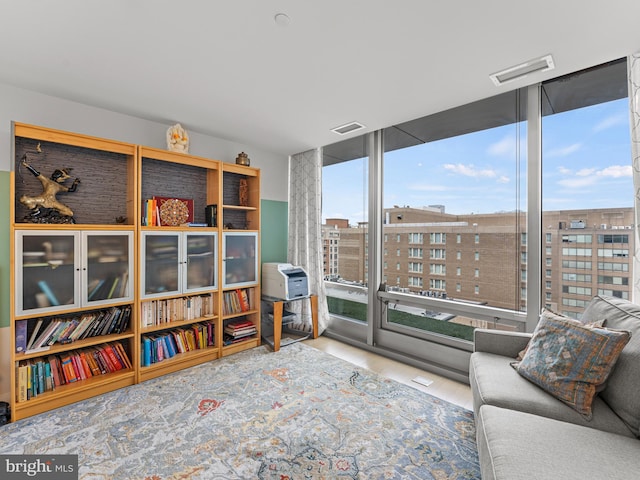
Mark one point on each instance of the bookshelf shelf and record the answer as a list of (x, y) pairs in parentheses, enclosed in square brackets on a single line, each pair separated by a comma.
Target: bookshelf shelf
[(179, 323), (56, 349), (179, 362), (115, 257), (74, 392)]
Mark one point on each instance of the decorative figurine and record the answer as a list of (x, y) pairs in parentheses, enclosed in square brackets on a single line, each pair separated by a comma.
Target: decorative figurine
[(47, 199), (177, 139), (243, 190), (243, 159)]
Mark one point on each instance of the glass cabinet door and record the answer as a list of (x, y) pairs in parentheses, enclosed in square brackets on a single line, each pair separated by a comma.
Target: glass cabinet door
[(240, 262), (160, 257), (107, 273), (46, 266), (201, 268)]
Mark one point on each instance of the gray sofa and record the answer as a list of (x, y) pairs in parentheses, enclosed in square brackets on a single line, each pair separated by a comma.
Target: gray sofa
[(525, 433)]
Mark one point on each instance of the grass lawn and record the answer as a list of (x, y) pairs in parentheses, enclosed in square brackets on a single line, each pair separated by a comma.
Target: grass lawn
[(358, 311)]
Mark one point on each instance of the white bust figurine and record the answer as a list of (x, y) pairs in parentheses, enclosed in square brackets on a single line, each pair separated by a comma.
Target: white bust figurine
[(177, 139)]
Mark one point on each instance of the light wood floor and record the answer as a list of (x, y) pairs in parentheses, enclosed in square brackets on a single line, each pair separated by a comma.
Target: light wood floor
[(442, 387)]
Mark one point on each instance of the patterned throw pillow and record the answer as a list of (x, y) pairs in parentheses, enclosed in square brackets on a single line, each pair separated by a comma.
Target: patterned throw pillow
[(570, 360), (546, 313)]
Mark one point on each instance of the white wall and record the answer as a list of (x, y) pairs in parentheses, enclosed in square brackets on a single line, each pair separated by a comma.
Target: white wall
[(37, 109)]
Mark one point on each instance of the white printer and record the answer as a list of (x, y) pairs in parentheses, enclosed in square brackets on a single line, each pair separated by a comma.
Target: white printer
[(284, 281)]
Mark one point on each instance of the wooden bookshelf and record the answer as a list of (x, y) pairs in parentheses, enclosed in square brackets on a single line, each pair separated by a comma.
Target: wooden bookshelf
[(59, 269)]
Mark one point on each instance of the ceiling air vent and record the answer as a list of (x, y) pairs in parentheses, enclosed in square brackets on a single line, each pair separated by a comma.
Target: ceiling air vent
[(347, 128), (541, 64)]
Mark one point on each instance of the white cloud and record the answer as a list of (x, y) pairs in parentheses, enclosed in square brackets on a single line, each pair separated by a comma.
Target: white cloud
[(469, 170), (616, 171), (565, 171), (578, 182), (503, 179), (564, 151), (585, 172), (506, 146), (610, 122), (589, 176)]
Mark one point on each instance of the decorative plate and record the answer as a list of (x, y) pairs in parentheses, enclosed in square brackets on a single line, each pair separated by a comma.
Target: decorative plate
[(173, 212)]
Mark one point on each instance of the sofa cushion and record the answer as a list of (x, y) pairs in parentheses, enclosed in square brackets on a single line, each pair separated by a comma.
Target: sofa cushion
[(518, 446), (495, 382), (570, 360), (546, 313), (621, 392)]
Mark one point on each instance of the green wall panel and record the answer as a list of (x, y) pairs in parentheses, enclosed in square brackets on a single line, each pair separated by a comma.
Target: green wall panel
[(4, 249), (274, 230)]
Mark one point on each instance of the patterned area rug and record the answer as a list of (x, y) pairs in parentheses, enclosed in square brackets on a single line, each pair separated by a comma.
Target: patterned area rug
[(295, 414)]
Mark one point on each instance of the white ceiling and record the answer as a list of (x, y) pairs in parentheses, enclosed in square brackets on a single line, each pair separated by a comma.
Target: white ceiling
[(225, 68)]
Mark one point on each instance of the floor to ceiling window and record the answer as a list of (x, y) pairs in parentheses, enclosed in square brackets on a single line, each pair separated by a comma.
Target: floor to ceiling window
[(588, 212), (455, 250), (454, 219), (345, 215)]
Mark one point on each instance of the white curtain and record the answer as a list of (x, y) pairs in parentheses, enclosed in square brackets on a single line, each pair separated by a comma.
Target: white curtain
[(305, 229), (633, 65)]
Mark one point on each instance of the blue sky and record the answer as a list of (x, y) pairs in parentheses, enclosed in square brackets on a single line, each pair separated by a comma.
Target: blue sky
[(586, 164)]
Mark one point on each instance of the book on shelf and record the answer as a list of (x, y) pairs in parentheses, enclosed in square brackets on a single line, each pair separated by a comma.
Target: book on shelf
[(238, 301), (158, 312), (167, 344), (44, 286), (21, 335), (238, 330)]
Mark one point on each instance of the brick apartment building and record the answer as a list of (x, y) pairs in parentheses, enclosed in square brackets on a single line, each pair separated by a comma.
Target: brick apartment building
[(482, 257)]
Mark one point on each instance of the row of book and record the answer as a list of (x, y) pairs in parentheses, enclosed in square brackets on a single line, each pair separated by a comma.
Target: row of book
[(157, 312), (238, 301), (168, 344), (38, 376), (114, 286), (44, 332), (238, 330)]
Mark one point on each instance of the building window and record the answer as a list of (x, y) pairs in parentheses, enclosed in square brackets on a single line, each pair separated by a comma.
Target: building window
[(576, 252), (577, 277), (547, 273), (607, 280), (415, 253), (416, 238), (548, 238), (523, 239), (438, 238), (458, 238), (476, 272), (614, 267), (613, 238), (415, 267), (458, 288), (476, 238), (458, 255), (438, 253), (477, 256), (614, 293), (613, 252), (476, 290), (437, 269), (415, 282), (547, 285), (573, 290), (437, 284), (458, 271), (397, 252)]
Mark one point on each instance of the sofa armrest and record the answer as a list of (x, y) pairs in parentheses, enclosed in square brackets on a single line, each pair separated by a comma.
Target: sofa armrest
[(499, 342)]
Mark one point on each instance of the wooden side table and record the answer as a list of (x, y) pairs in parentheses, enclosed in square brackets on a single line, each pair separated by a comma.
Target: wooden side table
[(278, 307)]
